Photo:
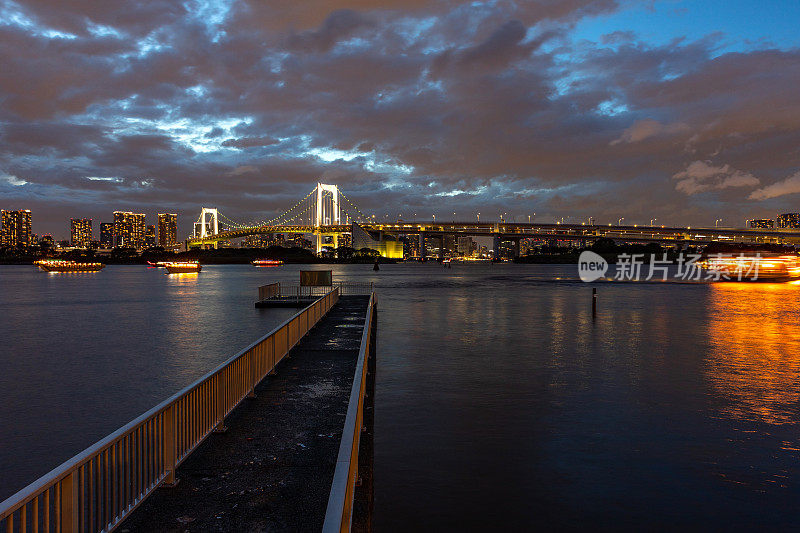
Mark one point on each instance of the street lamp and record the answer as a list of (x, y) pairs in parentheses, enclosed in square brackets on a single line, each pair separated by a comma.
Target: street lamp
[(619, 223), (652, 220), (479, 217)]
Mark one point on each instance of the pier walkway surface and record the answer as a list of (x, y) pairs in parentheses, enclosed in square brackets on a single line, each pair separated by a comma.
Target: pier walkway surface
[(272, 469)]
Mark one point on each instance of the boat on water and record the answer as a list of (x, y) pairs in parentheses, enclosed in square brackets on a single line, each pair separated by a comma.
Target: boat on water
[(182, 267), (158, 264), (58, 265), (266, 263), (765, 266)]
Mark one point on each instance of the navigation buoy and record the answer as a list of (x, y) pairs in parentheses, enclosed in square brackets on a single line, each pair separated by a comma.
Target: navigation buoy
[(376, 267)]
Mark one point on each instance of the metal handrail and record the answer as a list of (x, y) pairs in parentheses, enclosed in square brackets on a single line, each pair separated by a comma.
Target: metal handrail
[(277, 290), (339, 513), (354, 287), (269, 291), (100, 486)]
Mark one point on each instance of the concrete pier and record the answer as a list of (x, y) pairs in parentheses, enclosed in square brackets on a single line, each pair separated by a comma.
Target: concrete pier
[(273, 467)]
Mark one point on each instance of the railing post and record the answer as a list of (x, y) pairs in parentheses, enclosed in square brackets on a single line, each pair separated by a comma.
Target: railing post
[(68, 504), (220, 402), (170, 430), (251, 355), (272, 363)]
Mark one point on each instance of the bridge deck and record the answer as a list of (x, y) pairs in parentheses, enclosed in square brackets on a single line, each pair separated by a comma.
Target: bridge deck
[(272, 469)]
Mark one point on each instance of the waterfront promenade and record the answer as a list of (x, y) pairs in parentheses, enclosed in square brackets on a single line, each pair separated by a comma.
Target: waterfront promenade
[(272, 469)]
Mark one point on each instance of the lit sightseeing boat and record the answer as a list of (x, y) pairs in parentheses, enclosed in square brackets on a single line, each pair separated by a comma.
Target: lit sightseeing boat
[(182, 267), (266, 263), (58, 265), (752, 267), (157, 264)]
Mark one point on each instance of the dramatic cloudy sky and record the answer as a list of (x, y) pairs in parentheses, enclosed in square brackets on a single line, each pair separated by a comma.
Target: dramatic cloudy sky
[(684, 111)]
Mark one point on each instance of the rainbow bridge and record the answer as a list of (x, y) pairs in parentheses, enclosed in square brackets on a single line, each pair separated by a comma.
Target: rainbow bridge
[(327, 212)]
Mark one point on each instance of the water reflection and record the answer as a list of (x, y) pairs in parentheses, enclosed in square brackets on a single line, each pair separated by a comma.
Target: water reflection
[(183, 277), (83, 354), (754, 361)]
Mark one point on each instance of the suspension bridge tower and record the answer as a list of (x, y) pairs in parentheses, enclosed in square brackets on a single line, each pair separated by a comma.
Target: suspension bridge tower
[(207, 224), (327, 212)]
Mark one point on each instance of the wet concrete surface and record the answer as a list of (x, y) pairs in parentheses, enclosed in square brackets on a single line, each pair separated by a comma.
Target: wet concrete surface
[(272, 469), (286, 301)]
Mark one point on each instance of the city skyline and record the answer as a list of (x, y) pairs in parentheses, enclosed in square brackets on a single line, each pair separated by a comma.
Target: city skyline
[(80, 233), (165, 232), (678, 111)]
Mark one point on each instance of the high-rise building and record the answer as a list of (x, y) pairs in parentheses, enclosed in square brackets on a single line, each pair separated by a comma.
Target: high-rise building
[(450, 245), (507, 249), (466, 246), (129, 229), (258, 241), (80, 232), (106, 235), (150, 236), (300, 241), (432, 246), (167, 229), (761, 223), (16, 228), (410, 246), (789, 220)]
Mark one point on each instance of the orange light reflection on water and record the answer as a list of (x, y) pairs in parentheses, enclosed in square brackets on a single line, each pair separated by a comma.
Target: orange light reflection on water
[(183, 277), (754, 358)]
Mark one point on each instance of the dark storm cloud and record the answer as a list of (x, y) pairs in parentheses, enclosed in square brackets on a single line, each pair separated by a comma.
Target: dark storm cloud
[(62, 140), (80, 16), (249, 142), (413, 106), (339, 25)]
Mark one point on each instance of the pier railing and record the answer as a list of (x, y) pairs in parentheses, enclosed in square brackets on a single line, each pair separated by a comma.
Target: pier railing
[(339, 513), (351, 288), (269, 291), (346, 288), (99, 487)]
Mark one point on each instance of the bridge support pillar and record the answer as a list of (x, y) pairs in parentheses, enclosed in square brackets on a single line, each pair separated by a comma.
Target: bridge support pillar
[(422, 250), (516, 248), (496, 248), (319, 243), (441, 246)]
